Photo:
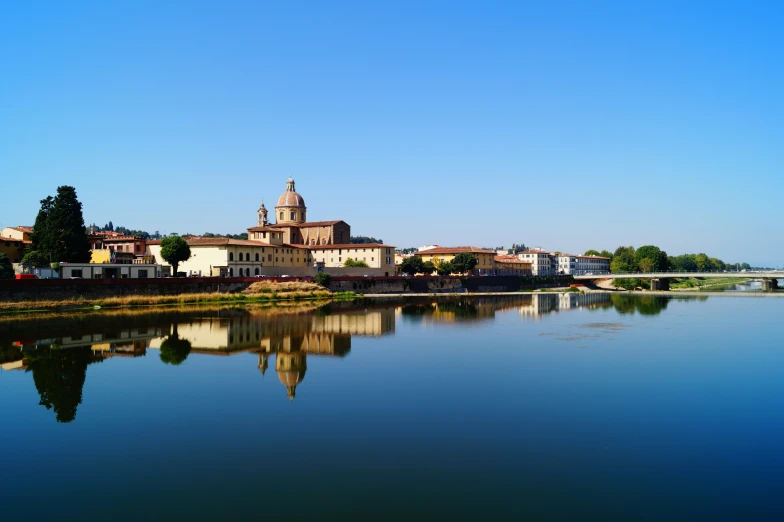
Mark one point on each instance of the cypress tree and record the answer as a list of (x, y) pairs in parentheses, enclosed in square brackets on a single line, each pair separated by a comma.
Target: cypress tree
[(67, 223), (42, 237)]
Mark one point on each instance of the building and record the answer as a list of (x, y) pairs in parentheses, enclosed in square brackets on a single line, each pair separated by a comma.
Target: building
[(113, 247), (376, 255), (104, 271), (543, 263), (292, 246), (21, 233), (511, 265), (12, 247), (580, 265), (485, 258)]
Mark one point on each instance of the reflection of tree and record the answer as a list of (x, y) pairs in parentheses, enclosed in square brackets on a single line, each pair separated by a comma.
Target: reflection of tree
[(175, 350), (9, 352), (59, 378), (642, 304)]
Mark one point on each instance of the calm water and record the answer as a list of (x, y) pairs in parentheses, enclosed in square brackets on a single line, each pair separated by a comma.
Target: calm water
[(525, 407)]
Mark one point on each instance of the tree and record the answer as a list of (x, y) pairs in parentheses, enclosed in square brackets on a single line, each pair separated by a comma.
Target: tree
[(6, 268), (351, 263), (360, 240), (412, 265), (591, 253), (323, 279), (646, 265), (43, 237), (464, 262), (111, 227), (175, 250), (623, 262), (428, 267), (35, 258), (745, 266), (658, 258), (446, 268), (703, 263)]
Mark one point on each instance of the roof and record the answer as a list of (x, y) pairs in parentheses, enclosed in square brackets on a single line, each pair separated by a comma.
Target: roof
[(510, 259), (347, 245), (12, 239), (217, 241), (23, 228), (290, 199), (264, 229), (455, 250), (121, 238), (542, 252), (309, 224), (584, 257)]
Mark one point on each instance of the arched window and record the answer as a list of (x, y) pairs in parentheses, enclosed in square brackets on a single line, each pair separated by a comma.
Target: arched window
[(257, 258), (292, 216), (231, 272), (240, 256), (281, 216), (247, 256), (256, 272), (247, 271), (231, 256)]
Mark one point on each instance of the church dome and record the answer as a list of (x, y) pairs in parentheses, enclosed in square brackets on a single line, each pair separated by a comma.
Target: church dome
[(291, 198)]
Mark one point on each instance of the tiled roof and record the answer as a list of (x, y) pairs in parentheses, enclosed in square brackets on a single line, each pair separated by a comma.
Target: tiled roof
[(22, 228), (217, 241), (12, 239), (509, 259), (265, 229), (455, 250), (309, 224), (347, 246)]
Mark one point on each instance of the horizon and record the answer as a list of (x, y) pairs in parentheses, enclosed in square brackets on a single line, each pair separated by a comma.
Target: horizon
[(569, 127)]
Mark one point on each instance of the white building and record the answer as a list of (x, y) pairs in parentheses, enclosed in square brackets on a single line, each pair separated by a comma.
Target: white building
[(542, 262), (571, 264)]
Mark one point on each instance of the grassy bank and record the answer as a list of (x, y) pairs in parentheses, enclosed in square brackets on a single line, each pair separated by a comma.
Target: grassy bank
[(696, 283), (261, 292)]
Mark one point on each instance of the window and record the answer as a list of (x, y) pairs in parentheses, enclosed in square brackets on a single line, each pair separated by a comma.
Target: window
[(247, 271), (372, 258), (231, 256), (264, 235), (231, 272), (387, 258), (292, 216), (240, 256), (269, 257), (76, 273), (276, 259), (257, 257), (142, 274), (281, 216)]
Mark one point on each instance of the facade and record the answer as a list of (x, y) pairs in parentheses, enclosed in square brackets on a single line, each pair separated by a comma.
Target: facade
[(104, 271), (543, 263), (580, 265), (376, 255), (485, 258), (12, 247), (511, 265), (236, 257)]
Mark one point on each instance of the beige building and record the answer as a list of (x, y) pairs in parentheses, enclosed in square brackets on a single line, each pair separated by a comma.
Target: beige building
[(20, 233), (485, 258), (511, 265), (374, 254)]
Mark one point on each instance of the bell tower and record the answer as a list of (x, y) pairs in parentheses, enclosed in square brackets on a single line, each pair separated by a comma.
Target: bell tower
[(263, 222)]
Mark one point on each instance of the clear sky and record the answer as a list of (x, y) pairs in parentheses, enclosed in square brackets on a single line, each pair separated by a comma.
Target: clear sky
[(562, 125)]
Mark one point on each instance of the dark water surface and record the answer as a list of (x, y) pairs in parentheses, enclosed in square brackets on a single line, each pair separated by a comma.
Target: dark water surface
[(527, 407)]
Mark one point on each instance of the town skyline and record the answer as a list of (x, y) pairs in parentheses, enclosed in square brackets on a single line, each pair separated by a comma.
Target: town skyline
[(570, 128)]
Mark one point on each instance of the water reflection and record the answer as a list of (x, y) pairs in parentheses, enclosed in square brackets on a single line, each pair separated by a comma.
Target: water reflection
[(57, 351)]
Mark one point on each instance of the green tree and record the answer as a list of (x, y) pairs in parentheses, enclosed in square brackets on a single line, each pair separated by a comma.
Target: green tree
[(745, 266), (361, 240), (428, 267), (657, 257), (323, 279), (703, 263), (6, 268), (43, 236), (412, 265), (354, 263), (591, 253), (623, 262), (464, 262), (717, 264), (446, 268), (175, 250), (66, 224), (646, 265), (175, 350), (35, 258)]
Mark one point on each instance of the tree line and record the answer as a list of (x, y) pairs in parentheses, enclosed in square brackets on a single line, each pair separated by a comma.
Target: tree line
[(462, 263)]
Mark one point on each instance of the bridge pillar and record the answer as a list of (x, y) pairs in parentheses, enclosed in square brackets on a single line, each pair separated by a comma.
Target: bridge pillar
[(661, 285), (770, 284)]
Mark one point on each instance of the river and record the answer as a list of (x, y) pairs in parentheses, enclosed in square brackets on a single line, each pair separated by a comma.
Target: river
[(523, 407)]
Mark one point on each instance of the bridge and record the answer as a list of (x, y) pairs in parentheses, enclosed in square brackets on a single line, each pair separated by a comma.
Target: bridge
[(661, 280)]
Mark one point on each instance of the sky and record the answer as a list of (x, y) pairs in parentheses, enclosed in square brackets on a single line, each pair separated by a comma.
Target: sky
[(564, 125)]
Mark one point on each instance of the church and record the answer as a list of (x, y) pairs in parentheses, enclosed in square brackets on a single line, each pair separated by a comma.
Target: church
[(291, 246), (290, 213)]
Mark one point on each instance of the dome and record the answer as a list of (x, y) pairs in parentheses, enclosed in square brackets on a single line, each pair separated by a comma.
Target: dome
[(291, 197)]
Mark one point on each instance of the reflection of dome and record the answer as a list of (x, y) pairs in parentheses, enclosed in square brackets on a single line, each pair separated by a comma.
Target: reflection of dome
[(291, 369), (291, 197)]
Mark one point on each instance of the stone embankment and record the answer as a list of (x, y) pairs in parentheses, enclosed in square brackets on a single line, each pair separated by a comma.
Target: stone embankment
[(91, 289)]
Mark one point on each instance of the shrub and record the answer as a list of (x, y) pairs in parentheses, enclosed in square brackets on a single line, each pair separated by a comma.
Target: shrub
[(323, 279)]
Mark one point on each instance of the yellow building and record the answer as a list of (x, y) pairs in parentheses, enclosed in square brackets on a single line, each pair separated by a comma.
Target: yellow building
[(20, 233), (511, 265), (13, 248), (376, 255), (485, 258)]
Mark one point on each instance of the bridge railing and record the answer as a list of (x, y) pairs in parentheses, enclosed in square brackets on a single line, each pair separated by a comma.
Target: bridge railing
[(698, 272)]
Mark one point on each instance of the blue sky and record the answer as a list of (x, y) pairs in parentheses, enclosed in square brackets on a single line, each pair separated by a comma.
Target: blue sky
[(567, 125)]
